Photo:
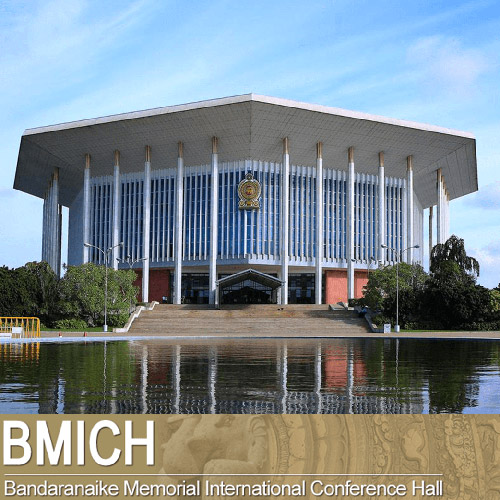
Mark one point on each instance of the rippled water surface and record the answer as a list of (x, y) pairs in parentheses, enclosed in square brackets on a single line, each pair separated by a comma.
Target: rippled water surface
[(334, 376)]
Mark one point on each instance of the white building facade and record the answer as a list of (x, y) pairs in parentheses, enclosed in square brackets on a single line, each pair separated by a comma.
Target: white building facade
[(334, 187)]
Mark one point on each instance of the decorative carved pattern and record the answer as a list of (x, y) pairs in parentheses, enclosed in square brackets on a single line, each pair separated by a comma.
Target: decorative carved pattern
[(465, 449)]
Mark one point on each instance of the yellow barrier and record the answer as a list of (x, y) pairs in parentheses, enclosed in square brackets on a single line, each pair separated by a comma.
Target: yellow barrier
[(20, 327)]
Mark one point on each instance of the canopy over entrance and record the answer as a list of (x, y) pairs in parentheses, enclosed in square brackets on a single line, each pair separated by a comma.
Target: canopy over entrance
[(248, 287)]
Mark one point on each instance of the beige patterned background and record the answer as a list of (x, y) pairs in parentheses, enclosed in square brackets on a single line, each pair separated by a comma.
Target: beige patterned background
[(463, 448)]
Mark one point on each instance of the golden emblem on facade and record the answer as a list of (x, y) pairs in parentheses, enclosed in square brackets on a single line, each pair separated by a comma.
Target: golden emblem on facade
[(249, 192)]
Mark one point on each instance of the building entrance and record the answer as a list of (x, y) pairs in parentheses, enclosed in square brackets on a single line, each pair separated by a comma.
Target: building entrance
[(248, 287)]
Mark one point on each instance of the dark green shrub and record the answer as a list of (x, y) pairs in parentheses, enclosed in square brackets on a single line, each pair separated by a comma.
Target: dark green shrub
[(71, 324), (118, 320)]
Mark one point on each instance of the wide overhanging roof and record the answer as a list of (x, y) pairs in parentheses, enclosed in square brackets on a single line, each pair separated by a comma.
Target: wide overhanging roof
[(248, 127)]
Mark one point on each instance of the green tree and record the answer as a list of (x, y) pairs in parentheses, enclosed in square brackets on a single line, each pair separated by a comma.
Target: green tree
[(380, 292), (82, 290), (495, 301), (9, 304), (453, 250), (452, 298), (30, 290)]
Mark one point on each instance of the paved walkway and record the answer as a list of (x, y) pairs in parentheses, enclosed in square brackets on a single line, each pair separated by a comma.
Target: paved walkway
[(196, 335)]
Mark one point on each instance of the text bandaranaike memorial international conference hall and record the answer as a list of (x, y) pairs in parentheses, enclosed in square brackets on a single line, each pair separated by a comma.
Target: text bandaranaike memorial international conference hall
[(219, 201)]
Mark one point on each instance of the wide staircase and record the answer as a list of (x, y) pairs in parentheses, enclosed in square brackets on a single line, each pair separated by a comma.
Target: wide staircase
[(297, 320)]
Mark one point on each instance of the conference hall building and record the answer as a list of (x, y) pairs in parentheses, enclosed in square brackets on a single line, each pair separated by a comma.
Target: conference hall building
[(245, 199)]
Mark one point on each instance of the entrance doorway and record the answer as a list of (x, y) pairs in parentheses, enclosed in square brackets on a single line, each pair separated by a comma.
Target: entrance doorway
[(248, 287)]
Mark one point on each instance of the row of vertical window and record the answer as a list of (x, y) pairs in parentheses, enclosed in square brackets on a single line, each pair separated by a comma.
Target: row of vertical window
[(241, 232)]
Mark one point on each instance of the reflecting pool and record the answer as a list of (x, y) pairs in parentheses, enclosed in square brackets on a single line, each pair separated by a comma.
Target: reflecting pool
[(251, 376)]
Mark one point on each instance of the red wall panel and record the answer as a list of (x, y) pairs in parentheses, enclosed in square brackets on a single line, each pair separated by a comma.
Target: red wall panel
[(159, 284)]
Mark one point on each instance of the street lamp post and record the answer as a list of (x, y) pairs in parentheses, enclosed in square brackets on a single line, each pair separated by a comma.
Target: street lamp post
[(399, 256), (105, 253), (130, 261)]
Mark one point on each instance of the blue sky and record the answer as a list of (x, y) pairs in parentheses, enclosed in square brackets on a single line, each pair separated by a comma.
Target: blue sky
[(430, 61)]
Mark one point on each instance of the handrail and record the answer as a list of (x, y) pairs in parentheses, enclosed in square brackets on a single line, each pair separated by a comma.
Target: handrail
[(29, 326)]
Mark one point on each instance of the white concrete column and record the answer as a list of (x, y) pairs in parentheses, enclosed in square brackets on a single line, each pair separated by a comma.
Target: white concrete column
[(319, 221), (381, 209), (179, 216), (350, 223), (446, 213), (59, 240), (146, 217), (439, 215), (214, 229), (431, 214), (45, 225), (284, 226), (116, 209), (409, 201), (55, 242), (50, 207), (86, 208)]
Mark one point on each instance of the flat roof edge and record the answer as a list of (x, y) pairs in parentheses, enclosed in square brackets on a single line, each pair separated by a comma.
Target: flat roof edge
[(163, 110), (247, 98)]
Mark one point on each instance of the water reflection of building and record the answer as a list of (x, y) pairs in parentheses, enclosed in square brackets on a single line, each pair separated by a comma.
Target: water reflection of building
[(222, 378), (339, 385)]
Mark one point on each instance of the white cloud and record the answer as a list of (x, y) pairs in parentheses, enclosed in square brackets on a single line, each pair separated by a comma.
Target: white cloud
[(447, 66), (53, 44), (489, 261), (487, 197)]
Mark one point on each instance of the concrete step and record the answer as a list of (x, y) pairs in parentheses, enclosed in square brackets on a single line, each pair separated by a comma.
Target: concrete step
[(249, 320)]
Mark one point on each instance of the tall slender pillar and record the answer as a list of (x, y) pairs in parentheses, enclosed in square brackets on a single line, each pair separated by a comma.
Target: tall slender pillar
[(439, 214), (86, 208), (214, 228), (46, 216), (284, 197), (50, 223), (44, 226), (431, 210), (381, 208), (409, 201), (319, 222), (59, 241), (179, 206), (116, 209), (447, 212), (56, 232), (146, 213), (350, 223)]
